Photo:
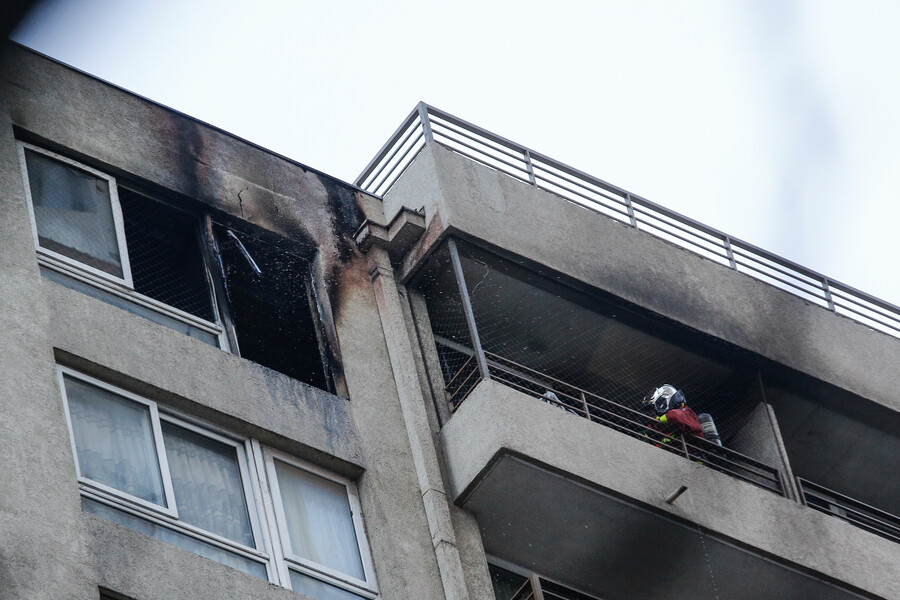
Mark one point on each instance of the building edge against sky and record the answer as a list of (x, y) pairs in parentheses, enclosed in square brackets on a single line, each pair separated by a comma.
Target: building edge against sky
[(281, 339)]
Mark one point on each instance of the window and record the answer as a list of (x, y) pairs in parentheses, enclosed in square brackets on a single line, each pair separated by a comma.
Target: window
[(75, 213), (205, 491), (233, 290), (89, 227), (273, 307)]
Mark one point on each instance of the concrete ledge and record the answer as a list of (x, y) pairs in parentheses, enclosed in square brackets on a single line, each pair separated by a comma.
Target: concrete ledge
[(496, 420), (148, 359), (140, 566), (460, 196)]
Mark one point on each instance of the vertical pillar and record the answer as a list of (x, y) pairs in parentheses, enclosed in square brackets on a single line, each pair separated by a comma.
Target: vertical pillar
[(467, 308), (425, 122), (415, 417), (791, 488)]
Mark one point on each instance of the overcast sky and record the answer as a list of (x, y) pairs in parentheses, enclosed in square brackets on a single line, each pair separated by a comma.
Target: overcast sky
[(775, 121)]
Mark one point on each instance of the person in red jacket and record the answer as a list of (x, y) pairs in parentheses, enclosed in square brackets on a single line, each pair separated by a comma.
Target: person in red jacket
[(667, 405)]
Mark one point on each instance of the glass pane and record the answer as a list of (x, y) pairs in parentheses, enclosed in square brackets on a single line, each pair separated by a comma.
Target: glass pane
[(319, 522), (506, 583), (207, 484), (170, 536), (114, 441), (318, 589), (73, 213)]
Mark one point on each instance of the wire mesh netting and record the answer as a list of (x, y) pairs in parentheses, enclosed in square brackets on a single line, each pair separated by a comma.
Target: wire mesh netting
[(272, 306), (165, 254), (597, 357)]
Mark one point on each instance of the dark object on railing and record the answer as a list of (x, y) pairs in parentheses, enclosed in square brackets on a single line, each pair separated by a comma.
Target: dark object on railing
[(621, 418), (853, 511), (426, 124), (709, 428)]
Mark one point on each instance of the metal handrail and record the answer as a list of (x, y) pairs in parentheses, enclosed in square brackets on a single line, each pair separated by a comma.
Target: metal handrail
[(594, 194), (598, 409), (849, 509)]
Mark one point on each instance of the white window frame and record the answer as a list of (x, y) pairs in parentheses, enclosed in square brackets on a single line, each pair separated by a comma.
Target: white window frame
[(122, 287), (118, 220), (366, 588), (168, 517), (259, 480), (161, 460)]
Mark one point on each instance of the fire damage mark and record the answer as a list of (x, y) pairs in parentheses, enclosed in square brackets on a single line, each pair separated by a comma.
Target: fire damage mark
[(273, 307)]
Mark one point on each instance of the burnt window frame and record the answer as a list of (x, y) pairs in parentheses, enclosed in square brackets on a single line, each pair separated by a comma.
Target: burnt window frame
[(226, 306), (120, 291)]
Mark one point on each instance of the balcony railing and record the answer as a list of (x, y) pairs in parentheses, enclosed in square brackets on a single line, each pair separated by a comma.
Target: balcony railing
[(853, 511), (597, 409), (538, 588), (427, 124)]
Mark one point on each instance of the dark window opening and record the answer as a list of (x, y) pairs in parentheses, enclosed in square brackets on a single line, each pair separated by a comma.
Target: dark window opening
[(165, 254), (272, 307)]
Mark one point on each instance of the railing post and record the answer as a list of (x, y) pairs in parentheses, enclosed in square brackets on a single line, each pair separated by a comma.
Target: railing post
[(684, 447), (530, 168), (801, 491), (426, 122), (828, 298), (630, 208), (730, 253), (467, 308), (536, 587), (587, 413)]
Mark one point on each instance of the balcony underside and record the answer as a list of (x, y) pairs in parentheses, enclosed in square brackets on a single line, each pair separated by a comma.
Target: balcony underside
[(614, 549)]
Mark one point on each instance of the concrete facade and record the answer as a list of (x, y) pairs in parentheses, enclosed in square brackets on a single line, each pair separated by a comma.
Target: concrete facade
[(444, 490)]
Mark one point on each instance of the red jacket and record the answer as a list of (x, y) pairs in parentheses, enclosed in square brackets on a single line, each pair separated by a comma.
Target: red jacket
[(681, 420)]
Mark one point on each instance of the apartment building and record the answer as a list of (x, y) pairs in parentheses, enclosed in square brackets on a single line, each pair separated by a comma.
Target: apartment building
[(229, 375)]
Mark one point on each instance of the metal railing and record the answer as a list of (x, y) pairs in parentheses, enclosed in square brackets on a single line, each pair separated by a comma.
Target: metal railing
[(538, 588), (427, 124), (597, 409), (853, 511)]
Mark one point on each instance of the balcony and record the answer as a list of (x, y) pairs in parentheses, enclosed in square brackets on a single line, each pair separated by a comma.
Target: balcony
[(565, 482), (427, 125), (599, 410)]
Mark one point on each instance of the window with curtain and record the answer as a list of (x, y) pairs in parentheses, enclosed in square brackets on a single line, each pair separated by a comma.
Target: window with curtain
[(198, 488), (317, 515)]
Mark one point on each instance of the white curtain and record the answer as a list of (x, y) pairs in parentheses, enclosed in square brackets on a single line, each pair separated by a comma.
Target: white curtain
[(319, 521), (114, 441), (207, 483), (73, 213)]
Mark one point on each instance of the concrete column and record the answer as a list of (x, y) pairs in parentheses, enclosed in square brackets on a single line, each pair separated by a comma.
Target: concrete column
[(761, 432), (412, 401)]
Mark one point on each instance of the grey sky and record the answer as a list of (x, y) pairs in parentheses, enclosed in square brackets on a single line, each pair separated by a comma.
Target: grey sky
[(775, 121)]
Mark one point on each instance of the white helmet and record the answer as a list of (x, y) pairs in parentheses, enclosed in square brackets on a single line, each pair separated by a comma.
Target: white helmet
[(663, 399)]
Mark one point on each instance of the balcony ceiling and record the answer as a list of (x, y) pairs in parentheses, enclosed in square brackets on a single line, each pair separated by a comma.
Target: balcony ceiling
[(592, 541)]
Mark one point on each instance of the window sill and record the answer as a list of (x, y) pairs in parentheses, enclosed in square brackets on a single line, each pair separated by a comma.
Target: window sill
[(120, 296)]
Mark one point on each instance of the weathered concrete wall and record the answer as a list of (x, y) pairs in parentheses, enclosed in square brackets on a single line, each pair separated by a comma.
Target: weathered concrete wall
[(141, 567), (186, 374), (46, 550), (43, 554), (389, 492), (496, 418), (461, 196)]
